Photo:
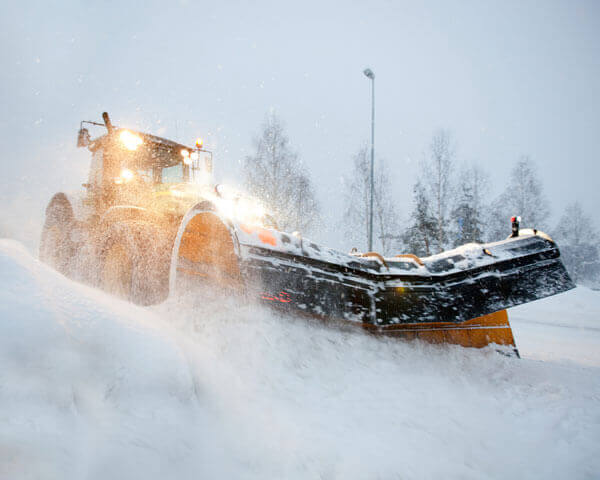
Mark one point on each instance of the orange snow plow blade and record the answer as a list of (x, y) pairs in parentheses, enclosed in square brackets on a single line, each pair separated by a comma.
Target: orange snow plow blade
[(493, 328)]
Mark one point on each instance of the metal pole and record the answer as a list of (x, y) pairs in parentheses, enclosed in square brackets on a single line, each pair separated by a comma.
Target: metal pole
[(371, 76), (372, 161)]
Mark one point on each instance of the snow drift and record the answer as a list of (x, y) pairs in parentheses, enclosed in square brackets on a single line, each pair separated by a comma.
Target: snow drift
[(91, 387)]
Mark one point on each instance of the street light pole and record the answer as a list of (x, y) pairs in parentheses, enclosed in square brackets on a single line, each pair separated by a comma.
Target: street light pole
[(369, 74)]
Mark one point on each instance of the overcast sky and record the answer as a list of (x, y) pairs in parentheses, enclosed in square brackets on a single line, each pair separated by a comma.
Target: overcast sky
[(506, 78)]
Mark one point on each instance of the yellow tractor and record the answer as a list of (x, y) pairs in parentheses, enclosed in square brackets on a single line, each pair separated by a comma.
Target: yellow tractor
[(118, 232)]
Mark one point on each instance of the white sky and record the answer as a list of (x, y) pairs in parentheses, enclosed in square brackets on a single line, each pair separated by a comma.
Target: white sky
[(507, 78)]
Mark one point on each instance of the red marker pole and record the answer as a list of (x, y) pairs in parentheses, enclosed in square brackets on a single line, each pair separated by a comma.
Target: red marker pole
[(515, 225)]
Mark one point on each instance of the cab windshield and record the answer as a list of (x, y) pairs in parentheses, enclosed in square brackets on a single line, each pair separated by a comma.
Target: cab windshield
[(157, 166)]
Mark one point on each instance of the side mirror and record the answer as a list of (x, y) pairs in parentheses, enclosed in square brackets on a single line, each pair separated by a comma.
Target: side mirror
[(83, 138)]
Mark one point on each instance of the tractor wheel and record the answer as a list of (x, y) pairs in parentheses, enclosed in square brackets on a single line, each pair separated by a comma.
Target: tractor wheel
[(56, 247), (134, 262)]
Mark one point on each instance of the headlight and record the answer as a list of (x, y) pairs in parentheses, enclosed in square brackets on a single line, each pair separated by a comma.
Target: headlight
[(131, 141), (234, 205), (125, 176), (186, 156)]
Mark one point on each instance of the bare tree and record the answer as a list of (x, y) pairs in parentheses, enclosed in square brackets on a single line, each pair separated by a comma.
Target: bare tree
[(275, 174), (578, 242), (436, 176), (356, 214), (524, 196), (385, 213)]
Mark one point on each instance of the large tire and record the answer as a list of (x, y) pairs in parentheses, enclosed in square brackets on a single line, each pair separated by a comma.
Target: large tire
[(134, 262), (56, 246)]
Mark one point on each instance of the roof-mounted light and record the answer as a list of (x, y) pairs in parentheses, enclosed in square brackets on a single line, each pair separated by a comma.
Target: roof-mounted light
[(186, 156), (130, 141), (199, 143)]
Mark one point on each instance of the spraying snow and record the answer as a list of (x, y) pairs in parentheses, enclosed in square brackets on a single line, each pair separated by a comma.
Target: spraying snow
[(92, 387)]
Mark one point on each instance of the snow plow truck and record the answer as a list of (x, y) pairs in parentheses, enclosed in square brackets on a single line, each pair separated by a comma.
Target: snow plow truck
[(150, 222)]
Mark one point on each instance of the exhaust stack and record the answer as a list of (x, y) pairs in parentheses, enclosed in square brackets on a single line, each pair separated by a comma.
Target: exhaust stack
[(107, 122)]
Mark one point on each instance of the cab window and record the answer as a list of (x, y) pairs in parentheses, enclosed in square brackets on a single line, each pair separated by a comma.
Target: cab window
[(173, 174)]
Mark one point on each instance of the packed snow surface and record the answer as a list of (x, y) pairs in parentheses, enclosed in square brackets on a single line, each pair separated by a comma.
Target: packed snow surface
[(95, 388)]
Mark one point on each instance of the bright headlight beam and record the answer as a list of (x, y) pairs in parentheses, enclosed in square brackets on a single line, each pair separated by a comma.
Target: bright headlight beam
[(130, 141), (233, 205), (126, 174)]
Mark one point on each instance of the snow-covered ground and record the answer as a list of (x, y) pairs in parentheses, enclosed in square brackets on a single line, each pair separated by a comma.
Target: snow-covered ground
[(92, 387), (563, 328)]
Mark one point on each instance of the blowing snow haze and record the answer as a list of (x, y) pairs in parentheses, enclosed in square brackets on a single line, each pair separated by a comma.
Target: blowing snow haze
[(224, 372), (507, 79)]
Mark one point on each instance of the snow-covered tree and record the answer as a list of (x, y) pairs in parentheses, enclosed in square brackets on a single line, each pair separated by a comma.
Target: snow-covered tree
[(357, 200), (524, 196), (421, 235), (578, 242), (276, 175), (436, 177), (467, 219)]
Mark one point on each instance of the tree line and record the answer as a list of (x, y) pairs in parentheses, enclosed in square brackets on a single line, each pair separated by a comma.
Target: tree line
[(451, 205)]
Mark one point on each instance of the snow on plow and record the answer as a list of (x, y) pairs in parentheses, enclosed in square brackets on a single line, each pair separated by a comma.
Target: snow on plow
[(459, 296)]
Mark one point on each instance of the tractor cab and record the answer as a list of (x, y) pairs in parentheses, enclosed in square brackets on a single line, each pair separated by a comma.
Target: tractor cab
[(133, 168)]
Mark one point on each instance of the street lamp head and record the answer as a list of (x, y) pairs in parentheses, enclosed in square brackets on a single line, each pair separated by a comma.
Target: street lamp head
[(369, 73)]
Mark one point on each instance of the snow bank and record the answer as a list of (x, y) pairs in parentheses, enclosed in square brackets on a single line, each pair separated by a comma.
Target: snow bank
[(91, 387), (560, 328)]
